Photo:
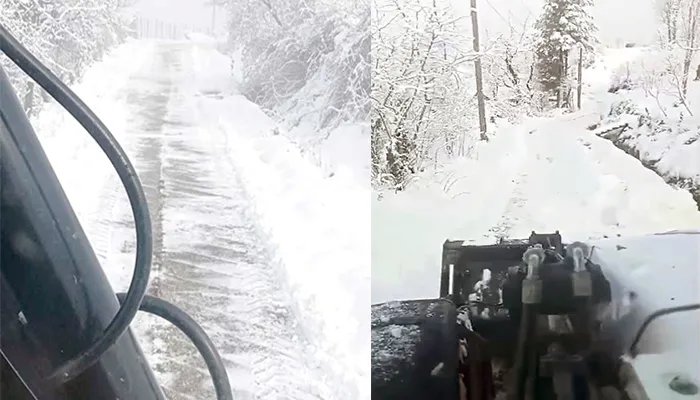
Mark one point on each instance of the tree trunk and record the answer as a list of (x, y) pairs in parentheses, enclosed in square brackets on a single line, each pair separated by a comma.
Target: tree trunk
[(690, 52), (579, 87), (560, 78)]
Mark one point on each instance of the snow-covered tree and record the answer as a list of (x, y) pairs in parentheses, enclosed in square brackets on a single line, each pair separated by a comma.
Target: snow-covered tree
[(690, 41), (679, 45), (420, 102), (563, 26), (307, 63), (67, 35), (509, 73), (283, 43), (670, 14)]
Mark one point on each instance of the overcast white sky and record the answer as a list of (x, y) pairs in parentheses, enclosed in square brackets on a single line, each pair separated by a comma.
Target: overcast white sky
[(618, 20)]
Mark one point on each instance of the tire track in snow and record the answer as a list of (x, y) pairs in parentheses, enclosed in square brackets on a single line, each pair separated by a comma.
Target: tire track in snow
[(516, 164), (211, 259), (553, 188)]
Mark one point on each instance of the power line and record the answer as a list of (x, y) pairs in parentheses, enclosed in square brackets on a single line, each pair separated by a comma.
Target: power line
[(498, 12)]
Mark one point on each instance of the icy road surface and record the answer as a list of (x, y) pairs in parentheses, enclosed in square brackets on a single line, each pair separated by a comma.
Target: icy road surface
[(174, 110), (547, 174)]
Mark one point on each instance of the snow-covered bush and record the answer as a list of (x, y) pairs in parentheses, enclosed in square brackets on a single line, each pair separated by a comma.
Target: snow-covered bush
[(624, 107), (305, 61), (659, 75), (622, 79), (67, 35)]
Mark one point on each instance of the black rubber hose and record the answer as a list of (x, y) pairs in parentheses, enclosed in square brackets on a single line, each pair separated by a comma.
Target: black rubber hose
[(634, 352), (522, 354), (196, 334), (127, 173)]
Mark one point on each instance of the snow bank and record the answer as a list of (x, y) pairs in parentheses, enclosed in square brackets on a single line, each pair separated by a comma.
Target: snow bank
[(319, 225), (212, 70)]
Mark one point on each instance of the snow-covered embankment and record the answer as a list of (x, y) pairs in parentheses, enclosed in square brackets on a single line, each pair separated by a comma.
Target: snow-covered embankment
[(630, 86), (318, 223)]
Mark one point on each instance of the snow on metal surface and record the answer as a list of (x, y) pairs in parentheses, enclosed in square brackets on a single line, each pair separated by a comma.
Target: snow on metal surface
[(668, 376), (663, 271), (395, 333)]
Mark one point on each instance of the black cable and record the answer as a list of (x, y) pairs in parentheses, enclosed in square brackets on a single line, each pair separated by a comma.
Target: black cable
[(135, 299), (137, 198), (522, 355), (196, 334)]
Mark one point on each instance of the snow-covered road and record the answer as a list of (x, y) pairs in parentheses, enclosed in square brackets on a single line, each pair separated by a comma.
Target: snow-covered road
[(547, 174), (209, 256), (567, 177), (217, 179)]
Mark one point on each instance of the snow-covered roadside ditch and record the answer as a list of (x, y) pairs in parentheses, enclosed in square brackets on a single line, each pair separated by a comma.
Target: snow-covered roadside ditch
[(319, 225), (660, 133), (675, 159)]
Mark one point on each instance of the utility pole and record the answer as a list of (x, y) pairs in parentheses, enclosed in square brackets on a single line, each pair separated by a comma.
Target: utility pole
[(477, 73), (580, 77)]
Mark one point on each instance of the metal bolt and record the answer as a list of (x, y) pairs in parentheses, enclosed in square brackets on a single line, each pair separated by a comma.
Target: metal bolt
[(581, 278), (532, 286)]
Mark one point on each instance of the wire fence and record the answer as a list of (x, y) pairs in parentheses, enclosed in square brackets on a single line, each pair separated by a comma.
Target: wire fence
[(151, 28)]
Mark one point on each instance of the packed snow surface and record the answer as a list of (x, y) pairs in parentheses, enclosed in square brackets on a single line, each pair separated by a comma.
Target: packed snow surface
[(261, 247)]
